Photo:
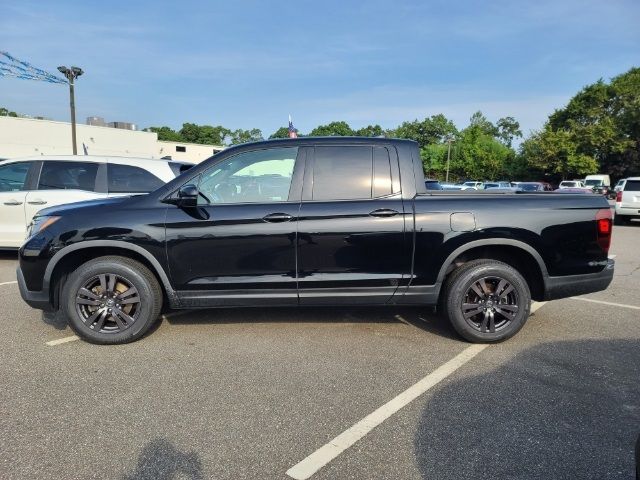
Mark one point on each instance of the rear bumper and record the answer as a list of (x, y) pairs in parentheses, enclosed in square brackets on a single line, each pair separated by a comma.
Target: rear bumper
[(628, 211), (570, 285), (35, 299)]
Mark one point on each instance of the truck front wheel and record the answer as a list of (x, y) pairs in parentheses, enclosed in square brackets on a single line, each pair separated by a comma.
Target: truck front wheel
[(486, 300), (111, 300)]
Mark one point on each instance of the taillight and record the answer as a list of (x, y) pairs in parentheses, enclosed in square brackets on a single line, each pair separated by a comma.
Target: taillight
[(603, 221), (619, 196)]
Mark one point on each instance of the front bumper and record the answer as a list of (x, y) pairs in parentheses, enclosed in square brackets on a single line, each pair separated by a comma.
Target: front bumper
[(571, 285), (35, 299)]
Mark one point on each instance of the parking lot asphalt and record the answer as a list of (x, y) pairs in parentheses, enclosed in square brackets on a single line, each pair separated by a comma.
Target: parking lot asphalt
[(250, 393)]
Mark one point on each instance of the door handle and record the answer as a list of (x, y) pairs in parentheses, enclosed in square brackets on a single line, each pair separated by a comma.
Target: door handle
[(37, 202), (13, 203), (383, 212), (277, 217)]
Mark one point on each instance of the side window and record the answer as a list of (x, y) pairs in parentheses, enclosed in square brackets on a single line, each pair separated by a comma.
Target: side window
[(381, 172), (68, 176), (129, 179), (13, 176), (342, 173), (258, 176)]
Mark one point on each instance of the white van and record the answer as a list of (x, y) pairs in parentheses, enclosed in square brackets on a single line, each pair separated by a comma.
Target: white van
[(599, 183), (28, 185)]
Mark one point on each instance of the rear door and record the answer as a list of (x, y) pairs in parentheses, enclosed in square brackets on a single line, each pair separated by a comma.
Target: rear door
[(351, 228), (62, 182), (14, 182)]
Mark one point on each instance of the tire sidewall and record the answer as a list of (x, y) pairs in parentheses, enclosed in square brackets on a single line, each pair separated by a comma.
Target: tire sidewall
[(145, 318), (461, 285)]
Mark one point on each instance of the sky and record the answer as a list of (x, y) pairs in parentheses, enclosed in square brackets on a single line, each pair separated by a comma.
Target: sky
[(249, 64)]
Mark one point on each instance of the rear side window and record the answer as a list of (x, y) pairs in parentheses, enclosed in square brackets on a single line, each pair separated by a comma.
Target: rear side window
[(129, 179), (381, 172), (68, 176), (632, 186), (345, 173), (13, 176)]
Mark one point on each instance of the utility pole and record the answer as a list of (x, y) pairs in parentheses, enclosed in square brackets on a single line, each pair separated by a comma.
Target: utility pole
[(448, 158), (71, 74)]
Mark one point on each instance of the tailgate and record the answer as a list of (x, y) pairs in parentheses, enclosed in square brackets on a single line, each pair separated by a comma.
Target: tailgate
[(630, 199)]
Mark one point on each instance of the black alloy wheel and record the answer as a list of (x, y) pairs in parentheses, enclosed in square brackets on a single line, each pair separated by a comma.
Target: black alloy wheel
[(111, 300), (490, 304), (108, 303), (486, 300)]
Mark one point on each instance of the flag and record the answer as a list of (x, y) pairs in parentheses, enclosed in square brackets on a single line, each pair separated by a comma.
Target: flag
[(293, 133)]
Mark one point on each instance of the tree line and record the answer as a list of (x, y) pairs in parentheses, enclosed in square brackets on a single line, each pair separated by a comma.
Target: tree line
[(598, 131)]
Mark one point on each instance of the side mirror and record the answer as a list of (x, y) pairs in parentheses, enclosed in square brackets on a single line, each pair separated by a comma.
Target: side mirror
[(187, 196)]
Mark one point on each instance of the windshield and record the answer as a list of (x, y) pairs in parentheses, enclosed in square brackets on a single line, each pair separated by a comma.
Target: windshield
[(470, 184), (569, 184), (593, 183)]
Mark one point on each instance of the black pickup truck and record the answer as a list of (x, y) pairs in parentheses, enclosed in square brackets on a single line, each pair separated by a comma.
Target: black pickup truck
[(314, 221)]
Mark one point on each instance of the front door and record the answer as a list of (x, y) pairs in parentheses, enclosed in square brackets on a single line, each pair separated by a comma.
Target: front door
[(237, 247), (352, 245)]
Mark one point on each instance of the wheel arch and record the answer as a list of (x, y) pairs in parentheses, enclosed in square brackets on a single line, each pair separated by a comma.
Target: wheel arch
[(522, 256), (70, 257)]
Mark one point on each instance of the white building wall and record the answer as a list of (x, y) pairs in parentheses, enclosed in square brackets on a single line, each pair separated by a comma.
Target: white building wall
[(25, 137)]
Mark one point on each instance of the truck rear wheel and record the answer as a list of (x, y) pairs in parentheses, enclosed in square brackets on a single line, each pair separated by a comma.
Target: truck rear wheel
[(111, 300), (486, 300)]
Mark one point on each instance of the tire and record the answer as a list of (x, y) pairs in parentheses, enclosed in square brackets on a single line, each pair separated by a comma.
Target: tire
[(620, 220), (111, 300), (496, 315)]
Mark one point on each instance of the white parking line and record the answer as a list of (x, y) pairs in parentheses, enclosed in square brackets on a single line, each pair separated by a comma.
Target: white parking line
[(632, 307), (59, 341), (8, 283), (536, 306), (318, 459)]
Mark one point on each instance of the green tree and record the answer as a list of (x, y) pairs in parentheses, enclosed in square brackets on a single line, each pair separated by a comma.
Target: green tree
[(244, 136), (370, 131), (205, 134), (282, 132), (333, 129), (428, 131), (7, 113), (556, 152), (603, 121), (508, 128), (166, 134)]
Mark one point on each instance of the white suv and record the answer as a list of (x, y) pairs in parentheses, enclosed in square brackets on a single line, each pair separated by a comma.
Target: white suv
[(31, 184), (628, 201)]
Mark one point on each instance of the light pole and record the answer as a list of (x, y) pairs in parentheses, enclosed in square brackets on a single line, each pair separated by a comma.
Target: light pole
[(72, 73), (449, 140)]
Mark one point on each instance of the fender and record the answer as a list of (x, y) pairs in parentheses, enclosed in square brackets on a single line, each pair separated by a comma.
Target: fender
[(492, 242), (173, 299)]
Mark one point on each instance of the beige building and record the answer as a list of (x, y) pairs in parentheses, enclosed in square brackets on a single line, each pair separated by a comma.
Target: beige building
[(24, 137)]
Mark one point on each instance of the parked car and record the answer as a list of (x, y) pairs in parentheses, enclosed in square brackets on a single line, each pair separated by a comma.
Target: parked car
[(571, 184), (628, 202), (432, 184), (471, 186), (328, 232), (30, 184), (488, 185), (599, 183), (533, 186), (620, 185)]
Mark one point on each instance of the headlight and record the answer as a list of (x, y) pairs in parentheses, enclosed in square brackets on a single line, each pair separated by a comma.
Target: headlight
[(38, 224)]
